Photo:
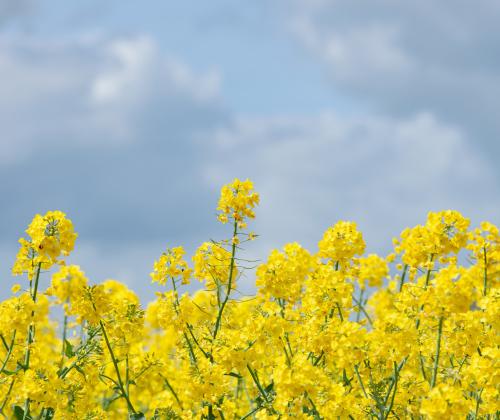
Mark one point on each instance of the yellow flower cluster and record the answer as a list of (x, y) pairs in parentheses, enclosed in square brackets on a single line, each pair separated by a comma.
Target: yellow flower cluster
[(49, 236), (341, 242), (171, 266), (237, 201), (330, 334)]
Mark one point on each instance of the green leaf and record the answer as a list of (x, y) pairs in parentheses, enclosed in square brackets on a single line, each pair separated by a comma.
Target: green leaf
[(81, 371), (136, 416), (18, 413), (269, 388), (68, 349)]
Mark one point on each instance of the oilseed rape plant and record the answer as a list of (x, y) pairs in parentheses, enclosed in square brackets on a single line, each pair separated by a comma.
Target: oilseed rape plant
[(329, 334)]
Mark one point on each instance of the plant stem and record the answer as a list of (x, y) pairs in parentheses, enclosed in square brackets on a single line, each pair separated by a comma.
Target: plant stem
[(485, 285), (31, 333), (257, 382), (402, 281), (438, 350), (169, 386), (358, 315), (368, 318), (360, 381), (117, 370), (229, 282), (7, 395), (341, 316), (63, 351), (7, 357)]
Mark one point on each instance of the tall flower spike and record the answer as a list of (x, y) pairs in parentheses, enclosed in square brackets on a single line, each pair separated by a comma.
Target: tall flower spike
[(341, 242), (237, 201), (171, 265), (50, 236)]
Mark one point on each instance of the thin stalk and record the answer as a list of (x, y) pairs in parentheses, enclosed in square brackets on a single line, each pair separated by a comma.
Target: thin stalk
[(485, 281), (257, 382), (427, 280), (4, 342), (171, 389), (31, 329), (315, 410), (229, 282), (7, 395), (360, 381), (358, 315), (422, 367), (250, 413), (207, 355), (63, 350), (127, 383), (368, 318), (428, 276), (438, 350), (9, 353), (319, 358), (394, 385), (341, 316), (288, 361), (403, 275), (117, 370), (192, 356), (31, 333), (478, 403)]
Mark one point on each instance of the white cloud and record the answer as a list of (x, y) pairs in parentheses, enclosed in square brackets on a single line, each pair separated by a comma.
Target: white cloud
[(137, 63), (405, 58), (89, 92)]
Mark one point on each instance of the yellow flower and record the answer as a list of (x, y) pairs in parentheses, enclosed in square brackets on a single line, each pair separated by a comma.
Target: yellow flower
[(14, 289), (237, 201), (171, 265), (341, 242)]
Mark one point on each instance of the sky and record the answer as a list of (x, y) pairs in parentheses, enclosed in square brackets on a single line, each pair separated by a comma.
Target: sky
[(129, 117)]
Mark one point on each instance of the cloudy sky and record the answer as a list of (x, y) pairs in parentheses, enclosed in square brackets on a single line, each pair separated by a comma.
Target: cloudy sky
[(129, 116)]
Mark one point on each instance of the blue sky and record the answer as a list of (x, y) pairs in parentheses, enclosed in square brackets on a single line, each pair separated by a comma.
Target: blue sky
[(129, 117)]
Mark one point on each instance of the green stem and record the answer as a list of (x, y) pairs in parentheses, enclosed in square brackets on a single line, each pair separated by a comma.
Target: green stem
[(341, 316), (427, 280), (315, 410), (368, 318), (7, 395), (438, 350), (9, 353), (402, 281), (478, 403), (31, 334), (117, 370), (428, 276), (251, 413), (229, 282), (358, 315), (31, 329), (485, 285), (319, 358), (422, 367), (206, 354), (257, 383), (192, 356), (394, 385), (360, 381), (65, 326), (169, 386)]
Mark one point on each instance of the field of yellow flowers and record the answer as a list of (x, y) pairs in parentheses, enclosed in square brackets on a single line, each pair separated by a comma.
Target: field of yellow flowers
[(331, 334)]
